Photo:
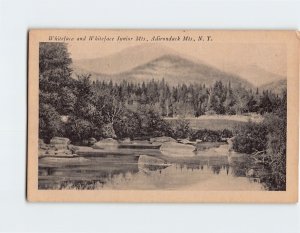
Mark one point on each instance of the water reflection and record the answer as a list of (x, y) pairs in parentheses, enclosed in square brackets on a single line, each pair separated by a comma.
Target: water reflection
[(202, 173)]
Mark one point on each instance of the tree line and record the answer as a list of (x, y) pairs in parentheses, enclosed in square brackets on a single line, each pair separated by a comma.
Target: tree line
[(190, 100)]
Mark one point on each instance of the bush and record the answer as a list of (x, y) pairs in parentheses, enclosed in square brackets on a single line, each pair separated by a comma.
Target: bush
[(207, 135), (151, 123), (250, 137), (276, 150), (181, 129), (78, 129), (226, 133), (127, 125)]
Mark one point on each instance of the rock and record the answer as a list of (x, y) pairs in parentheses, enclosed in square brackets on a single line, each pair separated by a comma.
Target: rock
[(92, 141), (63, 153), (186, 141), (60, 143), (42, 144), (107, 143), (149, 164), (146, 159), (162, 139), (76, 149), (127, 140), (230, 143), (73, 148), (54, 152), (174, 149), (251, 172), (60, 140)]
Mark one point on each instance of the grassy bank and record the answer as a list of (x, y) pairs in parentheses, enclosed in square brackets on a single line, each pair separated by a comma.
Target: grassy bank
[(217, 122)]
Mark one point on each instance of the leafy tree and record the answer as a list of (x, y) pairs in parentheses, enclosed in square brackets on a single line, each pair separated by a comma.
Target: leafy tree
[(50, 123), (56, 85), (78, 129)]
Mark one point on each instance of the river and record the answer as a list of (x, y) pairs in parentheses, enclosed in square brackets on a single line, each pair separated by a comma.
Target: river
[(211, 169)]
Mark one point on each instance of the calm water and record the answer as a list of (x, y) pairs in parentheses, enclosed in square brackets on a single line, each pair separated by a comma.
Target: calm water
[(207, 170)]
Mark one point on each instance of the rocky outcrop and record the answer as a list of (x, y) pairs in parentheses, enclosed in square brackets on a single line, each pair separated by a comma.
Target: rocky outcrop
[(107, 143), (174, 149)]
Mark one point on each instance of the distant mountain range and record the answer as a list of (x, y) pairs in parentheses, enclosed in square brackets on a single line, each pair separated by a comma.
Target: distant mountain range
[(124, 60), (257, 75), (276, 86), (144, 63), (173, 69)]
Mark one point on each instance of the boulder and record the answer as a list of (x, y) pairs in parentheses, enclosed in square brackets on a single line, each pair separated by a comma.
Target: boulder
[(76, 149), (127, 140), (60, 143), (162, 139), (251, 172), (146, 159), (174, 149), (107, 143), (186, 141), (149, 164), (92, 141), (60, 140), (42, 144)]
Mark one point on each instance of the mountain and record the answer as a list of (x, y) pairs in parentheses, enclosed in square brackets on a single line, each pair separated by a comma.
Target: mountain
[(257, 75), (276, 87), (124, 60), (173, 69)]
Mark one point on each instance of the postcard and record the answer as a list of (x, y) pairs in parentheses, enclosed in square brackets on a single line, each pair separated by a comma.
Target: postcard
[(163, 116)]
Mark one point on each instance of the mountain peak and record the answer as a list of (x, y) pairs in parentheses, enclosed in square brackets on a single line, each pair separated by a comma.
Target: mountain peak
[(174, 70)]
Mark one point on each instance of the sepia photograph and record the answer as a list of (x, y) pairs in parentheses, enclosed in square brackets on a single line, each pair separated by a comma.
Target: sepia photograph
[(149, 116), (175, 111)]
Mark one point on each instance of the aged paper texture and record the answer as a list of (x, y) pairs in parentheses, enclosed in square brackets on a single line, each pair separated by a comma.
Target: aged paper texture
[(163, 116)]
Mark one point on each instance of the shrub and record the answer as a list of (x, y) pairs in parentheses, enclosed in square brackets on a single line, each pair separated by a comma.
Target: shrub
[(250, 137), (78, 129), (181, 129), (127, 125), (207, 135)]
